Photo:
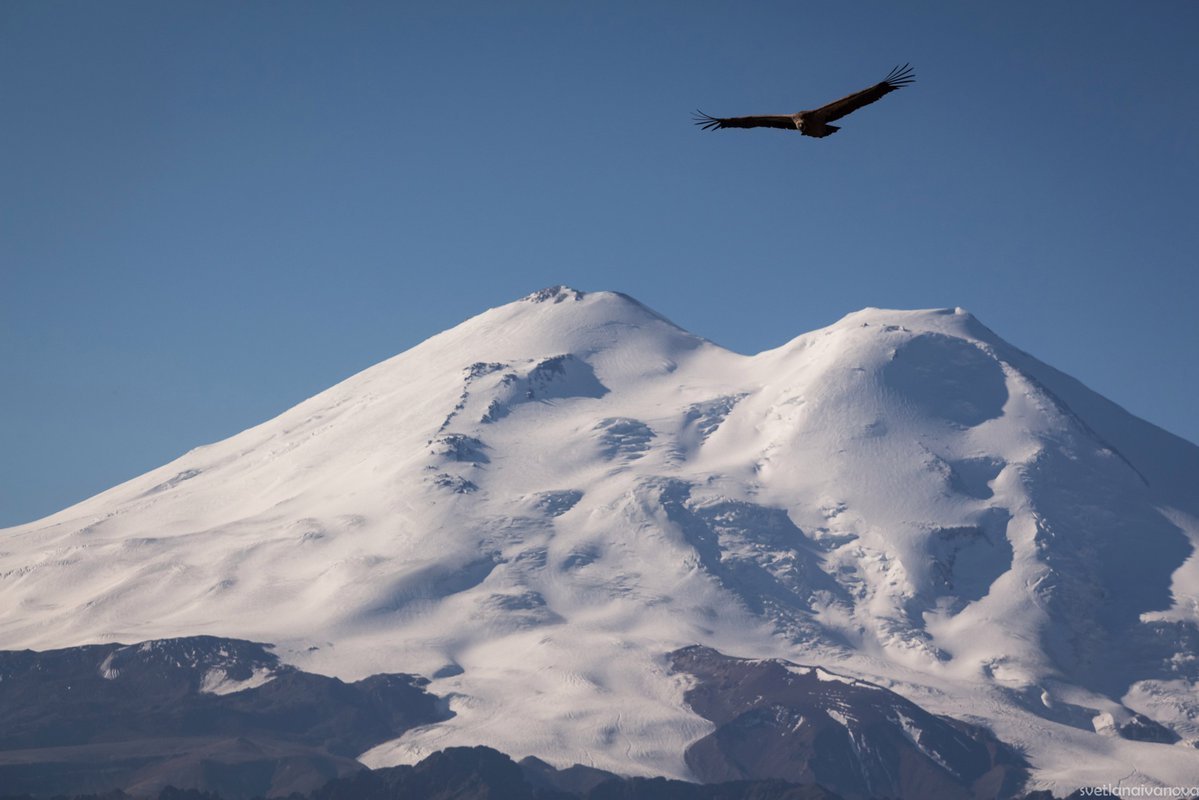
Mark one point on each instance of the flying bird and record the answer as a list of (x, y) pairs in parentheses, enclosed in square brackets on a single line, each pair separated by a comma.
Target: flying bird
[(815, 123)]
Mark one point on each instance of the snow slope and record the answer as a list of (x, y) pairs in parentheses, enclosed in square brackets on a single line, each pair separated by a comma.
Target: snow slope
[(535, 506)]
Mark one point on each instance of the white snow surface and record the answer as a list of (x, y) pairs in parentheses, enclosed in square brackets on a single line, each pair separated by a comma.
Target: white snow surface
[(217, 681), (533, 507)]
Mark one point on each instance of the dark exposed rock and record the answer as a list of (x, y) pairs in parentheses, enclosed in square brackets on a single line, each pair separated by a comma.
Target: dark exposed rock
[(200, 712), (454, 483), (575, 780), (475, 773), (556, 294), (623, 438), (776, 720), (1142, 729), (704, 418), (457, 773), (459, 447), (663, 789)]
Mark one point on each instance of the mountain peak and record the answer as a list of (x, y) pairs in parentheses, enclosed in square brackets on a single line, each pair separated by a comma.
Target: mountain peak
[(560, 320), (602, 306), (538, 504), (556, 294), (956, 321)]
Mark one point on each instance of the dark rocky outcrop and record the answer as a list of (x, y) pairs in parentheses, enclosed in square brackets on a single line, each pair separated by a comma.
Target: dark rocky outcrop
[(480, 773), (201, 712), (804, 725), (575, 780)]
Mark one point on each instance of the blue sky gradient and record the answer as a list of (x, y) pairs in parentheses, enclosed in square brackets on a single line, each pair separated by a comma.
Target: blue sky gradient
[(212, 210)]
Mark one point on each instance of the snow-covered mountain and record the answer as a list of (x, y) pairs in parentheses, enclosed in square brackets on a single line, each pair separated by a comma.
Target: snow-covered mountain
[(535, 507)]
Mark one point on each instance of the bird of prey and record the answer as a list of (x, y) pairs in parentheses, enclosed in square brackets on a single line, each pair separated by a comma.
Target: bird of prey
[(815, 123)]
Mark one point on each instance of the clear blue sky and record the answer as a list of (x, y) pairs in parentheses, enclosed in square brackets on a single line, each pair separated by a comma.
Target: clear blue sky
[(212, 210)]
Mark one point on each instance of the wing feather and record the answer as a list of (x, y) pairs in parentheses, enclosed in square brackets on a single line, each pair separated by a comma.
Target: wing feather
[(897, 79), (710, 123)]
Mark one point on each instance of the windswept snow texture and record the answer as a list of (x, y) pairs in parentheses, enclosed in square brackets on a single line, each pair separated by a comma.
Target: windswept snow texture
[(537, 505)]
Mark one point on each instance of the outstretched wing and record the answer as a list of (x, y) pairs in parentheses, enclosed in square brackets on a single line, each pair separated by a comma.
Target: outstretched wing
[(712, 123), (897, 79)]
